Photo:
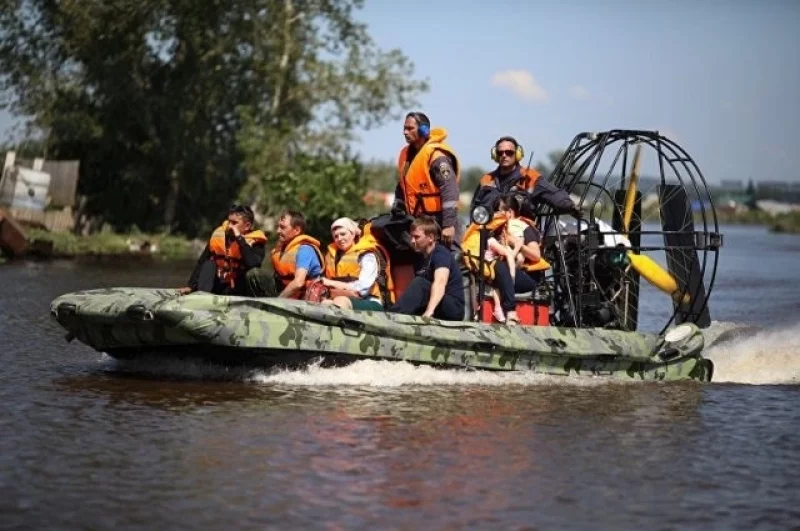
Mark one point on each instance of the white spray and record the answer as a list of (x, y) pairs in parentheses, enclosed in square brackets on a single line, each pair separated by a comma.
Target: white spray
[(742, 354)]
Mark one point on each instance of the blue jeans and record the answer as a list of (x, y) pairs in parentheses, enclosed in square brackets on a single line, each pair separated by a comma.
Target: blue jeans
[(522, 282), (414, 301)]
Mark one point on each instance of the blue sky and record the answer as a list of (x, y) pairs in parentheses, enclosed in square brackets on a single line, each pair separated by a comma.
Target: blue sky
[(722, 78)]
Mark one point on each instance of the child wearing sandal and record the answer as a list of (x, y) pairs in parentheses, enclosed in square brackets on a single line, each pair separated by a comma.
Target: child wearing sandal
[(499, 246)]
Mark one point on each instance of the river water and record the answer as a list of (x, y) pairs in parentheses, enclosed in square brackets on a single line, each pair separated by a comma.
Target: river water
[(88, 443)]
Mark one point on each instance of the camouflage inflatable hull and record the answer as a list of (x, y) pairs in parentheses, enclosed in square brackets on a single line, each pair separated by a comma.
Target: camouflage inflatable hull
[(131, 322)]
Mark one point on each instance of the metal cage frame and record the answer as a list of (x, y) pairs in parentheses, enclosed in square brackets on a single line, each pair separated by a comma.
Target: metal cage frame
[(692, 254)]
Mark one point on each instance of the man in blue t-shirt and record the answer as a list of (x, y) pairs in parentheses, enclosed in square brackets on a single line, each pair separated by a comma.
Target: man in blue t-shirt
[(296, 258), (307, 259), (436, 291)]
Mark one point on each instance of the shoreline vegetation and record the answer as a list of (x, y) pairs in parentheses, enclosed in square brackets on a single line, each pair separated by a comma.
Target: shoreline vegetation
[(52, 245), (778, 223), (46, 244)]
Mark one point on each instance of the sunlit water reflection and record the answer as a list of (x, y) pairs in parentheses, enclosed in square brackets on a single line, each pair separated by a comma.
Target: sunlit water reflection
[(88, 442)]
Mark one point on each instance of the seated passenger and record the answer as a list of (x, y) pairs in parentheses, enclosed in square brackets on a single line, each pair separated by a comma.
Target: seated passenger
[(436, 290), (500, 246), (531, 263), (356, 269), (232, 252), (296, 259)]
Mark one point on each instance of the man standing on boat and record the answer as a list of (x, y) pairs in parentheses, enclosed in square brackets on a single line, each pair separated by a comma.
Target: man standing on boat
[(297, 257), (510, 176), (232, 253), (428, 177), (436, 290)]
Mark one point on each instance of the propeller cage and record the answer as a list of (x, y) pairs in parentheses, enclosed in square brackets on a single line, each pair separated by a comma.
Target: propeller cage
[(663, 212)]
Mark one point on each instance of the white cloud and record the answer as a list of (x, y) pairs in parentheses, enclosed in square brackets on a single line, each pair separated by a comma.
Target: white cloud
[(522, 84), (579, 92)]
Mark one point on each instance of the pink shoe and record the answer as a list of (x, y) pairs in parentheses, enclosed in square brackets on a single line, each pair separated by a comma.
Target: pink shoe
[(499, 316)]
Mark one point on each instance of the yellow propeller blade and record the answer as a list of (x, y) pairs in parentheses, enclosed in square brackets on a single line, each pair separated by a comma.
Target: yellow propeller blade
[(656, 275), (642, 264), (630, 195)]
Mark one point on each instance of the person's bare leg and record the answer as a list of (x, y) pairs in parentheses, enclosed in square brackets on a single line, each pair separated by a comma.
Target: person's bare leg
[(498, 309), (343, 302)]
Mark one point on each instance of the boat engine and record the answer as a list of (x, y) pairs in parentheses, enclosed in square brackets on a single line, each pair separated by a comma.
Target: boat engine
[(647, 215)]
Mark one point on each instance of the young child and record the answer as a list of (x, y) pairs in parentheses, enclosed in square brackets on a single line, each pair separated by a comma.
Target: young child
[(499, 246), (516, 229)]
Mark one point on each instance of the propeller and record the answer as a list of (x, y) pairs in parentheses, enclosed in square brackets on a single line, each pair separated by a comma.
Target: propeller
[(648, 268), (630, 195)]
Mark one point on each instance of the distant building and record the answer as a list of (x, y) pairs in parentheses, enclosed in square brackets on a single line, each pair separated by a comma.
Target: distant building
[(40, 192), (781, 191), (786, 186), (774, 207)]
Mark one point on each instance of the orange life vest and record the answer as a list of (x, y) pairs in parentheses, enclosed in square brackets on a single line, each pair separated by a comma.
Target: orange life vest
[(229, 258), (284, 257), (385, 280), (420, 193), (470, 248), (526, 183), (348, 268)]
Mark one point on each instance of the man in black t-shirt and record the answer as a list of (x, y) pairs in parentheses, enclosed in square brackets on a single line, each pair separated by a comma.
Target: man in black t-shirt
[(436, 291)]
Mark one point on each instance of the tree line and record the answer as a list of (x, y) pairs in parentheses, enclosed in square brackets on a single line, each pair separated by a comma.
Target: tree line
[(177, 108)]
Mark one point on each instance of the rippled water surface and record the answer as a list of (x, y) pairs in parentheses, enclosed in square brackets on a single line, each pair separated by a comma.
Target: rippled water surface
[(88, 443)]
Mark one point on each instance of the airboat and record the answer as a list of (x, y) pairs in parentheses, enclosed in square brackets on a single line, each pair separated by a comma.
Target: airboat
[(626, 296)]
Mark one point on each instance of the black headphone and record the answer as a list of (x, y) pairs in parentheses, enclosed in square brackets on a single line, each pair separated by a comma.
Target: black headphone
[(519, 153), (423, 123)]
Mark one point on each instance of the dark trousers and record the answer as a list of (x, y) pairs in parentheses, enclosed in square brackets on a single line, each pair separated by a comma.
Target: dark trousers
[(507, 287), (207, 280), (261, 283), (414, 301)]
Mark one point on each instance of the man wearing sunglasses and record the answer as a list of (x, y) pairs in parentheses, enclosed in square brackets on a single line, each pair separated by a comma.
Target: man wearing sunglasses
[(232, 252), (510, 176)]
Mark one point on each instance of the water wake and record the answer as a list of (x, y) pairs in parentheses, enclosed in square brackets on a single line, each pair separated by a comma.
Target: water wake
[(741, 354), (744, 354), (362, 373), (380, 373)]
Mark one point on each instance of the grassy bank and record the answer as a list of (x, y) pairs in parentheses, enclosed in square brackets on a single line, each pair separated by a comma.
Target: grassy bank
[(789, 222), (163, 247), (786, 223), (67, 245)]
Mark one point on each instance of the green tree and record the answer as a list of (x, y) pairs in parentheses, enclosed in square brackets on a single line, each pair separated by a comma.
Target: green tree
[(380, 176), (546, 167), (470, 177), (323, 188), (28, 148), (750, 194), (173, 105)]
